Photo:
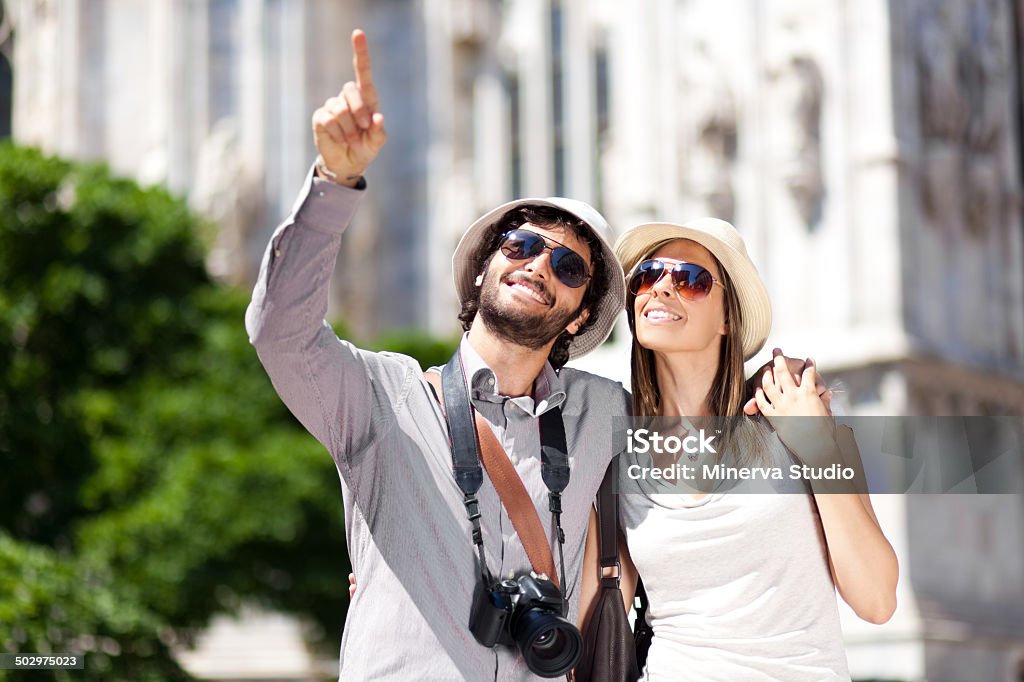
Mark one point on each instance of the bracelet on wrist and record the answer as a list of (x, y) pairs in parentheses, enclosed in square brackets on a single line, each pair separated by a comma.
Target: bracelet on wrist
[(322, 168)]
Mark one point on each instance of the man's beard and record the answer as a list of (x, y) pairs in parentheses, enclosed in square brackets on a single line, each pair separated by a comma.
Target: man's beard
[(533, 331)]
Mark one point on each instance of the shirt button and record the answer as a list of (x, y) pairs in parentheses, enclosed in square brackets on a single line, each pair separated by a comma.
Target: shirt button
[(490, 382), (515, 460)]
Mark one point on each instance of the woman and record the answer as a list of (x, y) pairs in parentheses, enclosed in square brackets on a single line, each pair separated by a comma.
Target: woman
[(740, 586)]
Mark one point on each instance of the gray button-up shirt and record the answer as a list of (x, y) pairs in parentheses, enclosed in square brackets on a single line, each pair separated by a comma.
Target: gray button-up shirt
[(409, 539)]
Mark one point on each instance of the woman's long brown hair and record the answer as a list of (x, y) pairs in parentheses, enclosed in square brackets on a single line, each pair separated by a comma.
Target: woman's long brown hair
[(728, 390), (726, 396)]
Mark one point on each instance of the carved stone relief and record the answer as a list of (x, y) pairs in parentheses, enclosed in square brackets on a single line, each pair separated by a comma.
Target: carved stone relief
[(961, 57), (938, 388), (716, 151), (224, 194), (798, 91), (709, 157), (804, 179)]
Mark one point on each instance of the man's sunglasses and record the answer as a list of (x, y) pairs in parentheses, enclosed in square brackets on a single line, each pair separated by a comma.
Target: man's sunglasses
[(692, 281), (568, 266)]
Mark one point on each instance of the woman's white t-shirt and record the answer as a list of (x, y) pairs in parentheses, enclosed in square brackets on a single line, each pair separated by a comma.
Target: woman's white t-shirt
[(738, 584)]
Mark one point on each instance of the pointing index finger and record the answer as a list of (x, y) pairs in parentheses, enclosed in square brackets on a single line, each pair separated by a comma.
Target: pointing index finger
[(363, 68)]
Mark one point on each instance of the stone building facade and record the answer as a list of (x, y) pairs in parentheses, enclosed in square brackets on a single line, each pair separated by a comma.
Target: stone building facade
[(870, 152)]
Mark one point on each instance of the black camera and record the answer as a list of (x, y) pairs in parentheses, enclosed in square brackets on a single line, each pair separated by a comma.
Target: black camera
[(528, 613)]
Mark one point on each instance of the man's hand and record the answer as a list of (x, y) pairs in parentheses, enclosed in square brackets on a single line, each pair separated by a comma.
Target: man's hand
[(348, 130), (796, 368)]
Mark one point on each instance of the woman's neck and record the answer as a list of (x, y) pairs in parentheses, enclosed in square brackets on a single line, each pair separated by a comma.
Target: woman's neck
[(685, 381)]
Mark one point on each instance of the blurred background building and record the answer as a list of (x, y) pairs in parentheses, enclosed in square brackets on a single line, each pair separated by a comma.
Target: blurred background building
[(870, 152)]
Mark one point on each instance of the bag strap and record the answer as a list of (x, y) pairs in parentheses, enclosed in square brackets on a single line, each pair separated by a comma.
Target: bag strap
[(511, 491), (608, 550), (643, 634), (517, 501), (608, 529)]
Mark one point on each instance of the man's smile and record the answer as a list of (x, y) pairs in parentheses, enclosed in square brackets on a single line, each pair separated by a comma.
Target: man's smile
[(528, 289)]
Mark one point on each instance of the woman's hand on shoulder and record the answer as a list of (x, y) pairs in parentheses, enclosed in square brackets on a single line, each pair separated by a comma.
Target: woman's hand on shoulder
[(779, 395), (800, 416), (797, 369)]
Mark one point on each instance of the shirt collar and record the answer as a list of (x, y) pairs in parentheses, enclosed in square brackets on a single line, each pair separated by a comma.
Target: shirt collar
[(548, 392)]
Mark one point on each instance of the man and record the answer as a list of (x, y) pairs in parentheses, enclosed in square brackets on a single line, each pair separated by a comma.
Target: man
[(408, 534), (530, 301)]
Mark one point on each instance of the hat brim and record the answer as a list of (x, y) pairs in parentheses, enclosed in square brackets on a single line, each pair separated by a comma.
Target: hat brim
[(610, 305), (755, 305)]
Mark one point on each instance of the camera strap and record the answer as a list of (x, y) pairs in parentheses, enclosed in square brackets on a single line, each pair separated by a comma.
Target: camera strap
[(472, 441)]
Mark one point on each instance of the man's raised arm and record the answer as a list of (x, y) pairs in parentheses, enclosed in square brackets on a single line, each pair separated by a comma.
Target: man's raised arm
[(318, 376)]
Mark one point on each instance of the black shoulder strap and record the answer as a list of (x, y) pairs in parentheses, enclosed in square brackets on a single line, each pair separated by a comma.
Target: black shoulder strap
[(465, 446), (608, 526), (554, 458), (461, 427)]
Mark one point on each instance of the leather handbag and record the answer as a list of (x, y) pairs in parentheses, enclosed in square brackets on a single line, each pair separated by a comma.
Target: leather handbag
[(609, 650)]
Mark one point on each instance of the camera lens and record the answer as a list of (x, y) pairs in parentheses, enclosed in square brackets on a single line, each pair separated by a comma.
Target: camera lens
[(550, 644), (546, 639)]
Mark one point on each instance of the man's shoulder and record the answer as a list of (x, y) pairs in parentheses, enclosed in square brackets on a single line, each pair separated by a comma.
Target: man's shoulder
[(575, 379), (389, 369), (407, 363)]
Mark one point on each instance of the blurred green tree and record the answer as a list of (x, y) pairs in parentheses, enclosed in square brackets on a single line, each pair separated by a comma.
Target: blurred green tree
[(151, 478)]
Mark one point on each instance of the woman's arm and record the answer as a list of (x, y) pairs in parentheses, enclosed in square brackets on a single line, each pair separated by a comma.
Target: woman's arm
[(628, 574), (863, 564), (589, 585)]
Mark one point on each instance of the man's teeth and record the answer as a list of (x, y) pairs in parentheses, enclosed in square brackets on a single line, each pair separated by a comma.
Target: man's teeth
[(533, 294), (662, 315)]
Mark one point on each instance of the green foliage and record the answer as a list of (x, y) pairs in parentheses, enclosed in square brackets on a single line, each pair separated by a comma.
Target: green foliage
[(209, 491), (94, 281), (50, 602), (151, 476), (429, 350)]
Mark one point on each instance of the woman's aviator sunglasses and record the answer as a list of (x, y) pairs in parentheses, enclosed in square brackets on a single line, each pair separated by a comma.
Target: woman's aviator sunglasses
[(568, 266), (692, 281)]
